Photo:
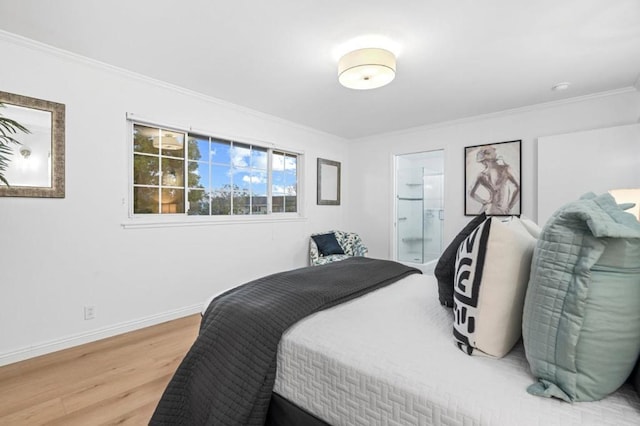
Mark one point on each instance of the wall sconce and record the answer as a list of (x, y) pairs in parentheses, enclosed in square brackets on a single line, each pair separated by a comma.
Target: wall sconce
[(628, 195), (368, 68)]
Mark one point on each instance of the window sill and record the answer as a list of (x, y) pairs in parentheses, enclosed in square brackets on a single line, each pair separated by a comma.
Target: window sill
[(184, 221)]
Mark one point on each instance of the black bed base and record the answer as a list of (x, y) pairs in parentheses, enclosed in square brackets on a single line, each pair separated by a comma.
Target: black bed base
[(283, 412)]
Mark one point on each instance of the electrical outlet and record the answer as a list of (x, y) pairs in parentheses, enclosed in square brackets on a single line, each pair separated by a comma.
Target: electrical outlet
[(89, 312)]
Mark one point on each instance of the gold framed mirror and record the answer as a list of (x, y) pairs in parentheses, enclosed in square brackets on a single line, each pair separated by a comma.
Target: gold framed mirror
[(34, 157)]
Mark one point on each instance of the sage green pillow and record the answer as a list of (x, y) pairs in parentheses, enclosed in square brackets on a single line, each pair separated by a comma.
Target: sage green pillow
[(581, 320)]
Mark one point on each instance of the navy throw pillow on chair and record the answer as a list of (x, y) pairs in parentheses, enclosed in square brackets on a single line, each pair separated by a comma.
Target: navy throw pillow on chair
[(327, 244)]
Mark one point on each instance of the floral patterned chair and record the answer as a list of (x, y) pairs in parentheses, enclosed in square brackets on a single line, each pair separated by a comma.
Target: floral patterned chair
[(323, 248)]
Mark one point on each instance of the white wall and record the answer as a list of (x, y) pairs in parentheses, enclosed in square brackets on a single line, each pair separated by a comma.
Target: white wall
[(59, 255), (370, 172), (572, 164)]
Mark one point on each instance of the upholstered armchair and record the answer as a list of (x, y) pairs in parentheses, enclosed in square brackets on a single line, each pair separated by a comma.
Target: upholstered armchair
[(333, 246)]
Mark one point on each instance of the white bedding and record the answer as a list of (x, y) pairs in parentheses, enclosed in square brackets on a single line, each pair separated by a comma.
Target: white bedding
[(388, 358)]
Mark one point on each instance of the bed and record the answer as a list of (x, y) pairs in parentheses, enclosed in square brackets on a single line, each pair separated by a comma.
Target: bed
[(388, 358), (374, 342)]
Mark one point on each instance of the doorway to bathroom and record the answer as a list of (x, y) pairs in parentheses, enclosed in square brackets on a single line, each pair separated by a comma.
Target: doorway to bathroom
[(419, 207)]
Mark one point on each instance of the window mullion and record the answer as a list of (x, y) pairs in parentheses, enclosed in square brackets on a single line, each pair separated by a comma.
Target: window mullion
[(161, 171), (269, 181), (209, 186), (250, 180), (185, 179)]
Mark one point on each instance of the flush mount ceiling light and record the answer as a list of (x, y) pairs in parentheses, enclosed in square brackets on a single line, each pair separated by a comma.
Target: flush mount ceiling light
[(169, 141), (368, 68)]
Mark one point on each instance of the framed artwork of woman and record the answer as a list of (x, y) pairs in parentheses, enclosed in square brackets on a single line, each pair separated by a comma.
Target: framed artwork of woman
[(492, 179)]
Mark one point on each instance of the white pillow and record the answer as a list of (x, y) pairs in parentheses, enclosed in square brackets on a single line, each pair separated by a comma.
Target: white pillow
[(531, 226), (492, 272)]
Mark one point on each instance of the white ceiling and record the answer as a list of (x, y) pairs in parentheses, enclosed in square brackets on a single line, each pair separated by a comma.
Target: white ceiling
[(456, 58)]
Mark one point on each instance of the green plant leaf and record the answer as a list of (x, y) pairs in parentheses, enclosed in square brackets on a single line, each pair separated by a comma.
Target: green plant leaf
[(8, 128)]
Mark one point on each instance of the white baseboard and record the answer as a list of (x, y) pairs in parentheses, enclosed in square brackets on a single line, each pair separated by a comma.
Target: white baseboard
[(92, 336)]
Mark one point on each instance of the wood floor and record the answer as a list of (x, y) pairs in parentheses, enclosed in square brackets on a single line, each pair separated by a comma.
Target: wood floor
[(115, 381)]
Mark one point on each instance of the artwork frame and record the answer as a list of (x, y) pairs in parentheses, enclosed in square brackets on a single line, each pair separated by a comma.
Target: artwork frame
[(493, 179), (328, 193), (53, 149)]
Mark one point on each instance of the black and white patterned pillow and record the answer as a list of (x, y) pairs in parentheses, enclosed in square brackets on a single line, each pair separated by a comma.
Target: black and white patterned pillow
[(492, 272), (445, 269), (469, 263)]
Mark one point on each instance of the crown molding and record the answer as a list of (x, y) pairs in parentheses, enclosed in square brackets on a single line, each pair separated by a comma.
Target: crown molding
[(505, 112), (36, 45), (74, 57)]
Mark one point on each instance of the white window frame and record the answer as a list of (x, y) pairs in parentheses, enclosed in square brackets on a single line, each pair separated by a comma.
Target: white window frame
[(184, 219)]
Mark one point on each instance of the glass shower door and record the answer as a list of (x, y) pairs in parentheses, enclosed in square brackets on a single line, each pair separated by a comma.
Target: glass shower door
[(419, 206), (433, 216), (410, 204)]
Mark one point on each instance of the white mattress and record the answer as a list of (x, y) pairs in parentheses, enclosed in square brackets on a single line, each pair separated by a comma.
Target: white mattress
[(388, 358)]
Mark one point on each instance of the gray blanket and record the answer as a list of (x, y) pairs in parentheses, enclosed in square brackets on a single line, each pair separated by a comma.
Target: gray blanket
[(228, 374)]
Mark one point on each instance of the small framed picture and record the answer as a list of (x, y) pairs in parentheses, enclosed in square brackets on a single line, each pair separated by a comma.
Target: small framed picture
[(492, 177), (328, 182)]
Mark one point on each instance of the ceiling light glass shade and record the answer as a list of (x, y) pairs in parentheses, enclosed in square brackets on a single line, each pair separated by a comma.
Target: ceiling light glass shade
[(367, 68)]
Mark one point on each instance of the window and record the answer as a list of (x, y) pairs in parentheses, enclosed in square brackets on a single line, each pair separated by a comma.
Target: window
[(158, 171), (284, 186), (209, 176)]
